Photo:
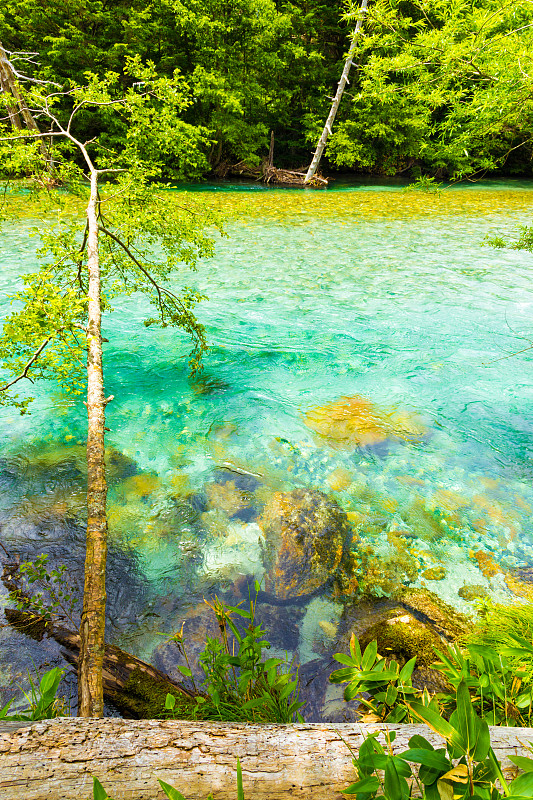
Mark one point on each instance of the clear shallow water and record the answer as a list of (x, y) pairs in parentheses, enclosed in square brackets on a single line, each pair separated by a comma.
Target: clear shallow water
[(314, 296)]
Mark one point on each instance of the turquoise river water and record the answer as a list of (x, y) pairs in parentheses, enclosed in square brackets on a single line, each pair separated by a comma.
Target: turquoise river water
[(325, 310)]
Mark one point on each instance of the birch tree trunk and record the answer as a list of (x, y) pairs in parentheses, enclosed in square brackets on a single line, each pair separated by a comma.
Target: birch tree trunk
[(8, 86), (92, 629), (337, 99)]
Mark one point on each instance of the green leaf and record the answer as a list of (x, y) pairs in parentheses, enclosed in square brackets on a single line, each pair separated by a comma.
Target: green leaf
[(392, 783), (391, 695), (369, 784), (464, 718), (99, 793), (369, 656), (272, 663), (436, 723), (523, 700), (240, 789), (445, 790), (5, 709), (288, 690), (170, 792), (429, 758), (523, 785), (185, 671), (417, 741), (524, 763), (170, 702), (343, 659), (50, 681), (407, 670), (482, 744)]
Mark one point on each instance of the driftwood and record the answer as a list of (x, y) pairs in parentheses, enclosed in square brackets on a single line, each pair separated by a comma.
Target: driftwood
[(268, 173), (241, 170), (135, 688), (56, 759), (289, 177)]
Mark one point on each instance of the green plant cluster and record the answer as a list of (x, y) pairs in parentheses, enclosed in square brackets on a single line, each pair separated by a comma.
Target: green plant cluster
[(381, 686), (500, 691), (466, 767), (43, 701), (238, 685), (52, 597)]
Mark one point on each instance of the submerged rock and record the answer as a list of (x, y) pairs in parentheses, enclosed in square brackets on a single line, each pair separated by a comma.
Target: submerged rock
[(306, 534), (401, 636), (474, 591), (356, 421), (428, 607), (434, 573)]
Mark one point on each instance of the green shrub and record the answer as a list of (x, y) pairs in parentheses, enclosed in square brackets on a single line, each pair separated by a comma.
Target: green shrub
[(238, 685), (465, 767), (494, 683), (43, 700)]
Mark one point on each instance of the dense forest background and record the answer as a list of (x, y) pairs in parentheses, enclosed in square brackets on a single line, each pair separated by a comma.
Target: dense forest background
[(439, 87)]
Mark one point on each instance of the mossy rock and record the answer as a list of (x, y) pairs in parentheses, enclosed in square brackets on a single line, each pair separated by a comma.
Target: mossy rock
[(443, 618), (306, 535), (401, 636)]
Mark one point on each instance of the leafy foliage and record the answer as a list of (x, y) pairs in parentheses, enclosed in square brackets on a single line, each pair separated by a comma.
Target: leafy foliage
[(389, 687), (496, 686), (499, 693), (145, 234), (466, 767), (441, 87), (438, 86), (46, 593)]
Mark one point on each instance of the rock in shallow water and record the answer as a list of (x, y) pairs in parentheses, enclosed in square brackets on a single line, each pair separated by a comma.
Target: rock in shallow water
[(306, 534), (357, 421)]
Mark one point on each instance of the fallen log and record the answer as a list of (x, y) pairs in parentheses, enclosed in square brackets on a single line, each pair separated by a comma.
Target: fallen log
[(135, 688), (56, 759)]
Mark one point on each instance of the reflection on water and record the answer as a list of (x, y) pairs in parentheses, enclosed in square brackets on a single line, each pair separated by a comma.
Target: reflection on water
[(357, 415)]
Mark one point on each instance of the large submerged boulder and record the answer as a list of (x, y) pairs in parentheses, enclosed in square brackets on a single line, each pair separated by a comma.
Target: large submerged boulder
[(306, 536), (401, 636)]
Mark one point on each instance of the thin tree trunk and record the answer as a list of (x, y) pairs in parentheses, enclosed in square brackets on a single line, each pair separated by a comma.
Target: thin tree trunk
[(6, 81), (271, 150), (337, 99), (92, 629)]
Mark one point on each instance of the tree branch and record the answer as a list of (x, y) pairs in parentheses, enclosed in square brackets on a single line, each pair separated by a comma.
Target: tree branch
[(31, 136), (159, 289), (24, 373)]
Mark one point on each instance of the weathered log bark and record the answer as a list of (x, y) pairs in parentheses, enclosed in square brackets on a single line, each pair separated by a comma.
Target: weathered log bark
[(313, 166), (135, 688), (56, 759)]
